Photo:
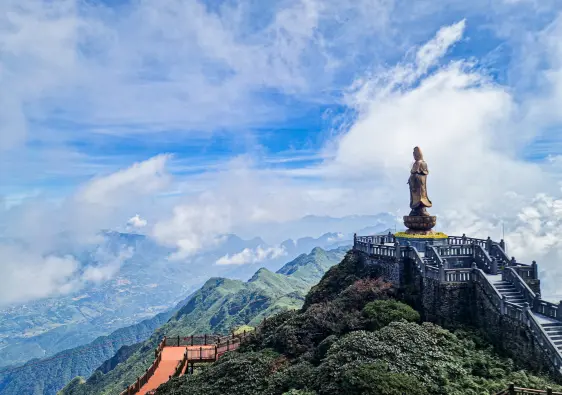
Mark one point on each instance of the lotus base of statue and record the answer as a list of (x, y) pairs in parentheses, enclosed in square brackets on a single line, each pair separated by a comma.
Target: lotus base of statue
[(420, 224)]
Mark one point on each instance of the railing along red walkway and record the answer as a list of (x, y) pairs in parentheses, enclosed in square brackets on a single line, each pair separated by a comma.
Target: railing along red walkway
[(513, 390), (174, 355)]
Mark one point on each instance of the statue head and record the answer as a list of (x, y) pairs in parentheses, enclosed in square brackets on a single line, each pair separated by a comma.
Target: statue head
[(418, 154)]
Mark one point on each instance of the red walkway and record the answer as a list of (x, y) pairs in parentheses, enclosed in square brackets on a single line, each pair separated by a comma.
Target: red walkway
[(174, 359), (170, 358)]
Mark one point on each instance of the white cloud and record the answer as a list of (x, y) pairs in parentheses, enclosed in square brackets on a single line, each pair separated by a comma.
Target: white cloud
[(27, 275), (35, 231), (252, 255), (193, 227), (137, 222), (133, 76), (108, 268), (139, 179)]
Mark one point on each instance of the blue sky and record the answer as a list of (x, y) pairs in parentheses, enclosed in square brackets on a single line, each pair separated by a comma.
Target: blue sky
[(204, 117)]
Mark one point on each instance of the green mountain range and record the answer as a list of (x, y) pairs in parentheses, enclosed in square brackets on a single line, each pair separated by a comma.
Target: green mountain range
[(354, 337), (219, 306)]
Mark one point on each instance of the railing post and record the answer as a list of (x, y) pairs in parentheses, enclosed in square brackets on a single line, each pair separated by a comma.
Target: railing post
[(559, 311), (502, 305), (178, 340), (228, 345), (502, 245), (494, 267), (138, 383), (200, 353), (463, 238), (488, 244), (535, 270), (526, 310), (354, 240), (549, 391), (441, 272), (511, 389), (205, 339), (537, 302), (513, 262), (216, 353)]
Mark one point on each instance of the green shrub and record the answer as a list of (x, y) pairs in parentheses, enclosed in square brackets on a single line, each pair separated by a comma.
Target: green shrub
[(377, 379), (380, 313)]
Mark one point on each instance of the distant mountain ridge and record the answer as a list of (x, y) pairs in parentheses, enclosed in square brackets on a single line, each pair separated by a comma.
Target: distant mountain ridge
[(43, 328), (217, 306)]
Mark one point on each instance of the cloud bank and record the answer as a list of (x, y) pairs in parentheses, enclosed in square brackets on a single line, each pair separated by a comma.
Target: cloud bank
[(491, 141), (252, 255)]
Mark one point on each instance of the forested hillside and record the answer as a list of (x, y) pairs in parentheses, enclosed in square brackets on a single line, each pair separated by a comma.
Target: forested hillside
[(219, 306), (354, 337)]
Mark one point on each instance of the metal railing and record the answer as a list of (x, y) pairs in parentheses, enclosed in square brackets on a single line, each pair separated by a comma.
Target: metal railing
[(142, 380), (513, 390), (211, 347)]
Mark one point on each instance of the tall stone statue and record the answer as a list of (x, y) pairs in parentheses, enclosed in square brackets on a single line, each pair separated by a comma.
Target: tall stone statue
[(419, 221), (418, 185)]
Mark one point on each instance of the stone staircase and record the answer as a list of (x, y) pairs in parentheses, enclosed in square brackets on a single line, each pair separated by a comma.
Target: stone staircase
[(511, 293), (554, 331), (552, 328)]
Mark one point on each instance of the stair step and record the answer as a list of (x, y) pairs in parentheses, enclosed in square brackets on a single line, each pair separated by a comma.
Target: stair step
[(553, 331), (557, 337), (552, 324), (553, 328)]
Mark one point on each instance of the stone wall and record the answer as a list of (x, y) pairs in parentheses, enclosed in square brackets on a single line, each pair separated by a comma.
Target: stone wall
[(508, 335), (389, 268), (453, 305), (446, 304)]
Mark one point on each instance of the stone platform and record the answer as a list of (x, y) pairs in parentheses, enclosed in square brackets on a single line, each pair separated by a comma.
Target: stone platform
[(419, 239), (420, 223)]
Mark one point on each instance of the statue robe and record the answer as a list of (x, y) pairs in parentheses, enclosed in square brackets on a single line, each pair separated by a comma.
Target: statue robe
[(418, 187)]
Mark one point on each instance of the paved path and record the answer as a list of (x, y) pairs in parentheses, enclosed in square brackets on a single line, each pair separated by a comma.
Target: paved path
[(170, 358)]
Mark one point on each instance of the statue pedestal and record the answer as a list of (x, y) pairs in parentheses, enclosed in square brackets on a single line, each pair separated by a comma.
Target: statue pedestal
[(419, 233), (419, 224)]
